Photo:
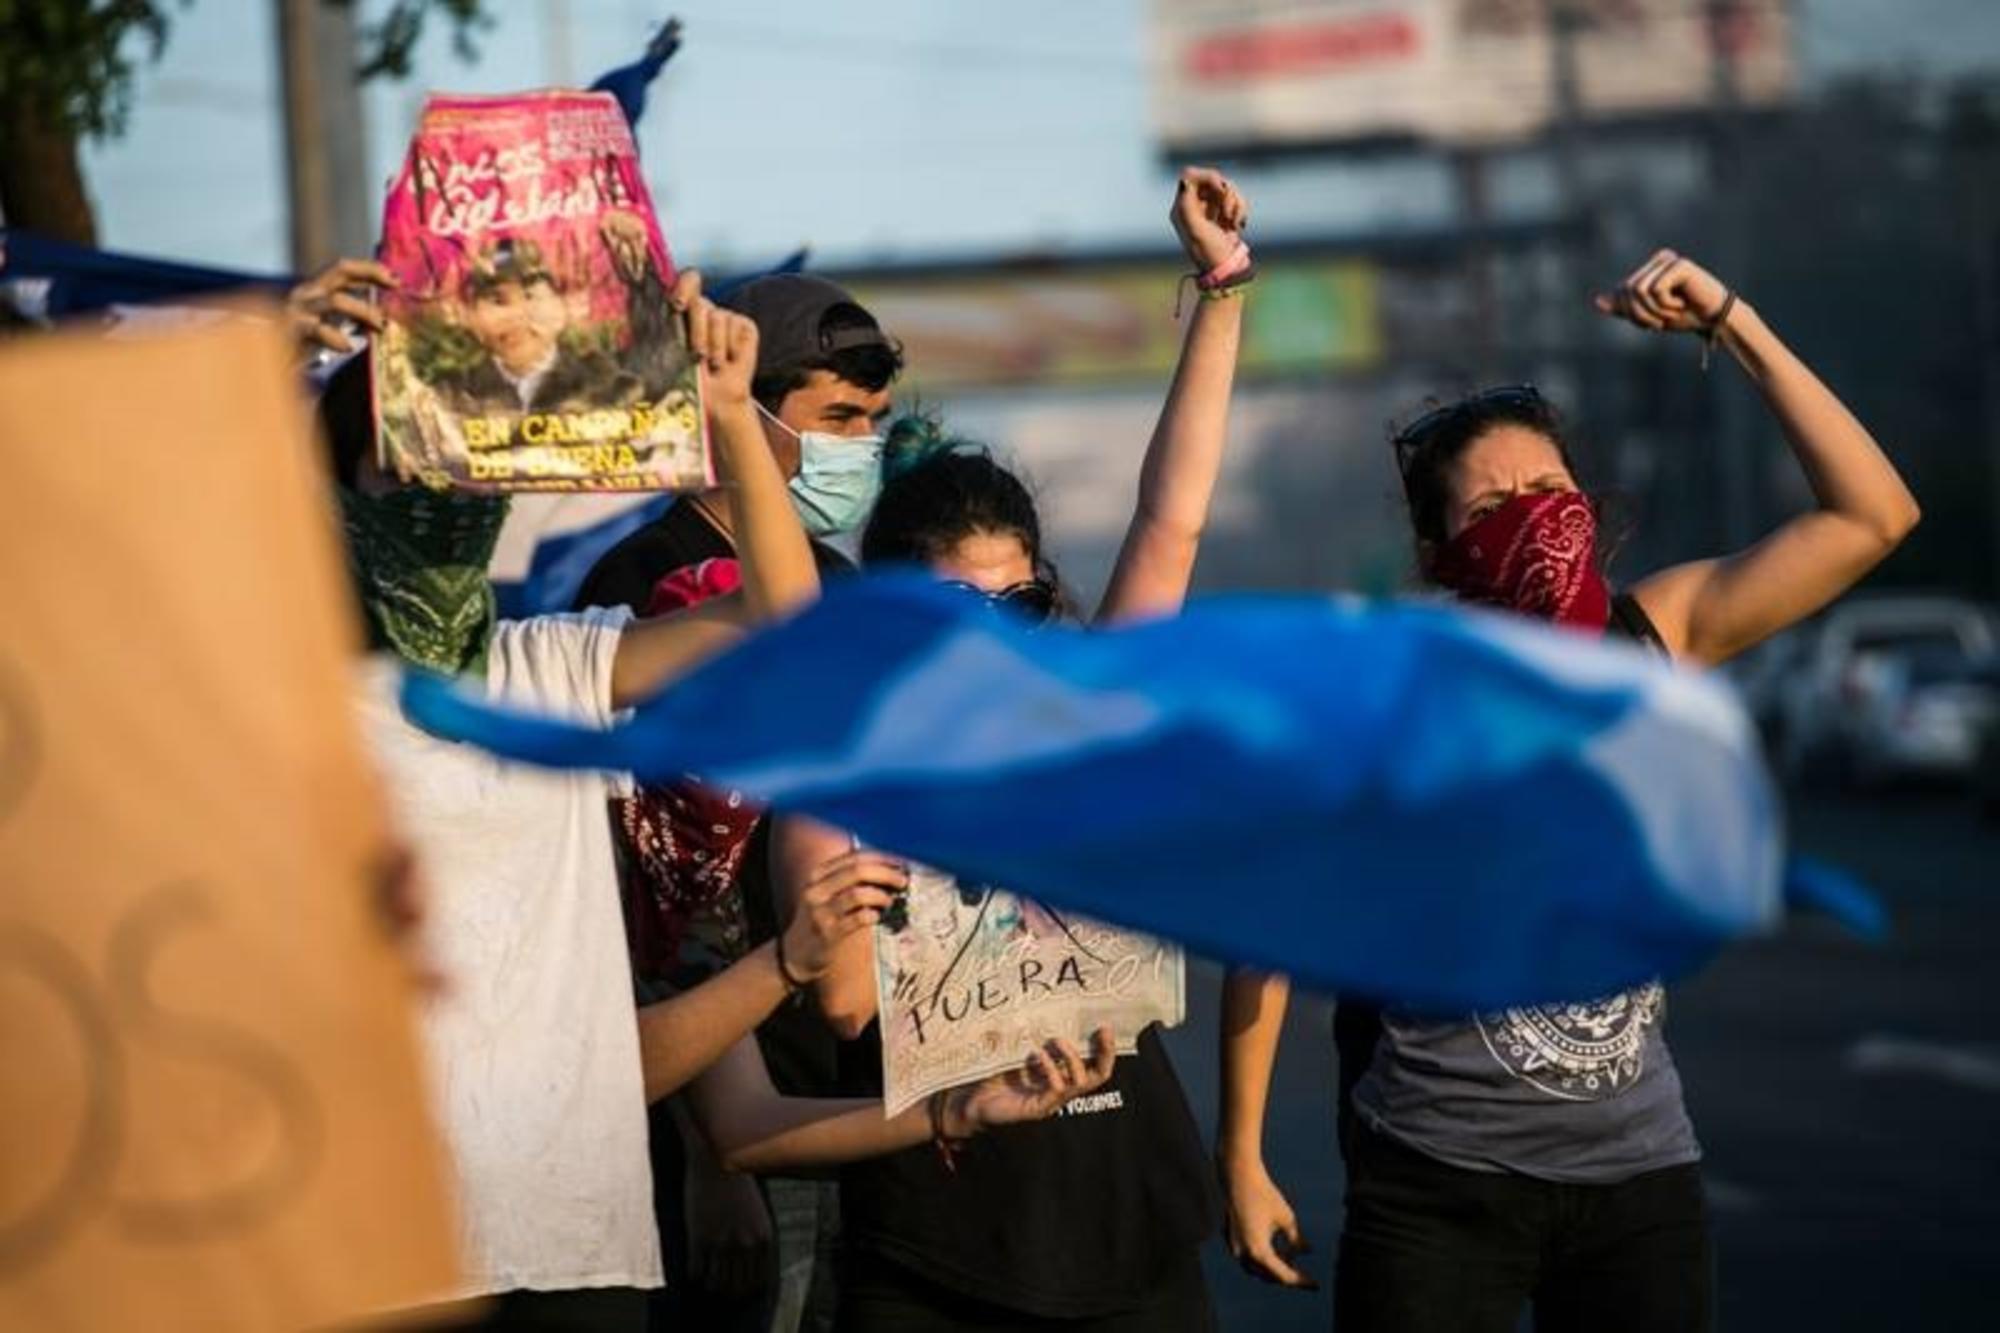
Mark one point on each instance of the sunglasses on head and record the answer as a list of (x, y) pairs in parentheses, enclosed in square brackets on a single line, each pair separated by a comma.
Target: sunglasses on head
[(1412, 438), (1034, 600)]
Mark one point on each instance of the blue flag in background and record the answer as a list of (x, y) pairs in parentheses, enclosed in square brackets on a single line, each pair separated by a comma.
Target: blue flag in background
[(1450, 810)]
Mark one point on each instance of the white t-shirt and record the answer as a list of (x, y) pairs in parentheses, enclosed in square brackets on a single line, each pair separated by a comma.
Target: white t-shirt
[(533, 1049)]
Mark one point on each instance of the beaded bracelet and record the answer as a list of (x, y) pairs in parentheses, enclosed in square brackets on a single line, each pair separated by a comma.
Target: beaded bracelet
[(1225, 280), (948, 1148)]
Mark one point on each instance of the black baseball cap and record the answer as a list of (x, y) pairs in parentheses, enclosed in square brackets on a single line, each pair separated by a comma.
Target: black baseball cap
[(802, 318)]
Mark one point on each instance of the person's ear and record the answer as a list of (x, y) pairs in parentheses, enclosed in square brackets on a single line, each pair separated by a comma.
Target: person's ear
[(784, 444)]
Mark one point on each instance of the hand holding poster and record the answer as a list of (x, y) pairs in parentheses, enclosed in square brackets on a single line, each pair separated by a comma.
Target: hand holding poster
[(971, 978), (531, 346)]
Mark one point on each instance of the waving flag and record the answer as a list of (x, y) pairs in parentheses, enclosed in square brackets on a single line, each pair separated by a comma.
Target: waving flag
[(1440, 808)]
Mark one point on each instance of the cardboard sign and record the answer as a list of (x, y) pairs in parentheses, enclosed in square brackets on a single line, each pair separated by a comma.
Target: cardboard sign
[(530, 345), (211, 1115), (970, 979)]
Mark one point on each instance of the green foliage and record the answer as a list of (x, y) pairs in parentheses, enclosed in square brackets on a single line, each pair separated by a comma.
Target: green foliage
[(386, 46), (72, 60)]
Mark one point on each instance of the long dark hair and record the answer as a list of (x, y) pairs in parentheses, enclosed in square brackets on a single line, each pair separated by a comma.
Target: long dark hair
[(937, 490), (1438, 437)]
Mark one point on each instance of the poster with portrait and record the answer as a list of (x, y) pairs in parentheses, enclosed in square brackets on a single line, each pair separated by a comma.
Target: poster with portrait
[(213, 1116), (971, 978), (530, 345)]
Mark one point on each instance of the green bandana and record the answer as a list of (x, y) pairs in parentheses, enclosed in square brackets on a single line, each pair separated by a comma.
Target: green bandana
[(419, 559)]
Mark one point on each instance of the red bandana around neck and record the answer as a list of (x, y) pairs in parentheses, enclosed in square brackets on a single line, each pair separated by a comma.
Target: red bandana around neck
[(1535, 554)]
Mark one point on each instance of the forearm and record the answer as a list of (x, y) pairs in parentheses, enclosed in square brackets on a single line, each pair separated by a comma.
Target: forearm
[(1183, 458), (1253, 1017), (681, 1037), (1848, 472), (779, 575), (786, 1134)]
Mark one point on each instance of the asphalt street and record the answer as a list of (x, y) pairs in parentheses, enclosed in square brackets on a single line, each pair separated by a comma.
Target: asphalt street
[(1847, 1096)]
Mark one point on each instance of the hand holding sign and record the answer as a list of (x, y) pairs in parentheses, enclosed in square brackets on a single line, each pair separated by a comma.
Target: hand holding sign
[(1051, 1078)]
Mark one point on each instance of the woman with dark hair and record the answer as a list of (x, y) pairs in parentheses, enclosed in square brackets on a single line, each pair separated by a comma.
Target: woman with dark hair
[(1092, 1220), (1543, 1156)]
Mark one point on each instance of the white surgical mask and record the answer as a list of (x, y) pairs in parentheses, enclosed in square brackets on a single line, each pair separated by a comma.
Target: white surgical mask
[(839, 478)]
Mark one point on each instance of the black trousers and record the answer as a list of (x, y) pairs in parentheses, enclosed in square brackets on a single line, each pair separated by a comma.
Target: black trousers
[(1431, 1248), (880, 1296), (584, 1310)]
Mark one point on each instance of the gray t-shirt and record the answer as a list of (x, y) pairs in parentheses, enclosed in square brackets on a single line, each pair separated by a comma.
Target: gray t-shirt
[(1577, 1093)]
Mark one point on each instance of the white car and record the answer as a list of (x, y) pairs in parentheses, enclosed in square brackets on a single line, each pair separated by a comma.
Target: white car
[(1829, 686), (1925, 718)]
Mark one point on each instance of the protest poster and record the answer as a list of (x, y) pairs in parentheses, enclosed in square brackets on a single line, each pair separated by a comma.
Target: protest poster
[(211, 1110), (971, 978), (530, 345)]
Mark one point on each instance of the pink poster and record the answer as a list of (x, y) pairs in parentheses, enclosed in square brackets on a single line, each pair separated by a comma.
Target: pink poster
[(530, 344)]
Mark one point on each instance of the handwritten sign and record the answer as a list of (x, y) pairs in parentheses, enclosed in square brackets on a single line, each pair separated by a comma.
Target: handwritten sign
[(211, 1116), (971, 978), (530, 345)]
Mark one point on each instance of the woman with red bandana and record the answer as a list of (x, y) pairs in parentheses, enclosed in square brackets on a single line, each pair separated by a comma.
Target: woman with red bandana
[(1543, 1156)]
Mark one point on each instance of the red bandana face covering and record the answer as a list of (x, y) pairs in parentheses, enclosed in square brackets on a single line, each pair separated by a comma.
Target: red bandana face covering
[(1535, 554)]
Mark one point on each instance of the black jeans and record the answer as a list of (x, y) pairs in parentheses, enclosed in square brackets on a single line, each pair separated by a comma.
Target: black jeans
[(880, 1296), (1431, 1248)]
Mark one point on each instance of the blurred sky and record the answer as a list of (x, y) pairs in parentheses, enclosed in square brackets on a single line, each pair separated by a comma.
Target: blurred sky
[(871, 128)]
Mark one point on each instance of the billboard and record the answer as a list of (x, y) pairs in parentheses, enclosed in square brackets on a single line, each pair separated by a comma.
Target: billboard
[(1096, 324), (1244, 75)]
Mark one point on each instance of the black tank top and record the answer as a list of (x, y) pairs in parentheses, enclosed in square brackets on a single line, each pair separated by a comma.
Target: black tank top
[(1078, 1216)]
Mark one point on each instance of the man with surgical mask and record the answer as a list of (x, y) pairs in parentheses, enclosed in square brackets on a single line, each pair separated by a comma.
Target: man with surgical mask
[(693, 864), (824, 371)]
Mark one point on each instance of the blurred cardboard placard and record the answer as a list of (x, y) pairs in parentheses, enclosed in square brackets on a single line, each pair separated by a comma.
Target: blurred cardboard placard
[(211, 1111)]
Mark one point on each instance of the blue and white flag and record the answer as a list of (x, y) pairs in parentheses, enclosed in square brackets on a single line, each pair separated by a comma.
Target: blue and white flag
[(1446, 809)]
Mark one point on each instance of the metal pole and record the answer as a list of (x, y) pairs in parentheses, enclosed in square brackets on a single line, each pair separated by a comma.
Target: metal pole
[(331, 200), (1736, 461), (1578, 324), (308, 188), (1472, 168)]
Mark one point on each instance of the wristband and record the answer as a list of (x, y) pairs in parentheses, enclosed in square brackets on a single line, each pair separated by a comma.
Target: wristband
[(1237, 262), (1224, 280), (792, 984), (948, 1148), (1712, 334)]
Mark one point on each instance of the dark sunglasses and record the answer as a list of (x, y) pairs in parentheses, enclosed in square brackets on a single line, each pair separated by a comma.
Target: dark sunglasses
[(1034, 600), (1411, 439)]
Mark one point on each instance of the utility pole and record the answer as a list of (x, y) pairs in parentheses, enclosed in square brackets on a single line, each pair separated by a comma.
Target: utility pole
[(1579, 324), (332, 200), (1472, 166), (1735, 453)]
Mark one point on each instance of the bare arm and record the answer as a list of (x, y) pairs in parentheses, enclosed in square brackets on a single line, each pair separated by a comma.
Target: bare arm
[(752, 1128), (1177, 478), (680, 1037), (1711, 610), (1263, 1231), (805, 852), (777, 563)]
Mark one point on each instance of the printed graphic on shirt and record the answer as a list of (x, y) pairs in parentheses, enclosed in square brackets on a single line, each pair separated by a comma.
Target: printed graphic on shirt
[(972, 978), (1095, 1103), (1582, 1052)]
